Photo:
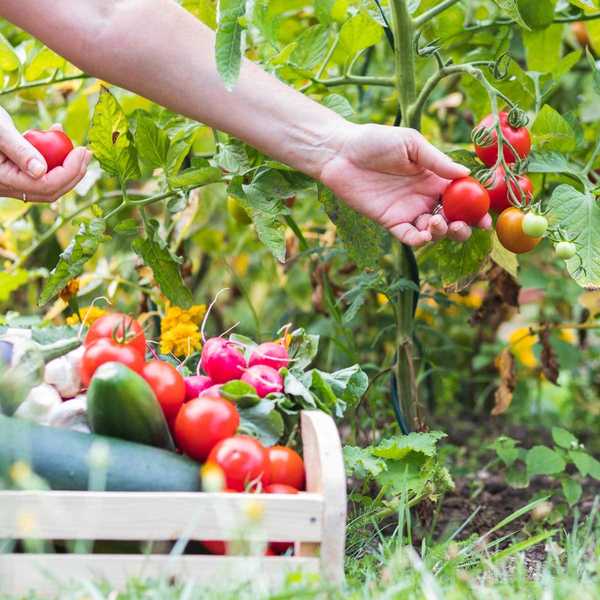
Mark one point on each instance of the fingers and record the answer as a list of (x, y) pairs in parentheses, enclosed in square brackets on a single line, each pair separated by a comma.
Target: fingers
[(410, 235), (18, 150), (459, 231), (426, 155), (429, 227)]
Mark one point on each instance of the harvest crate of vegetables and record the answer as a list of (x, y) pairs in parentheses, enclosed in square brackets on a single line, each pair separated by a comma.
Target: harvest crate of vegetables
[(118, 461)]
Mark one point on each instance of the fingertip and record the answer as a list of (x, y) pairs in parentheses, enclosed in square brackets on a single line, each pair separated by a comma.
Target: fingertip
[(486, 222), (461, 170), (459, 231)]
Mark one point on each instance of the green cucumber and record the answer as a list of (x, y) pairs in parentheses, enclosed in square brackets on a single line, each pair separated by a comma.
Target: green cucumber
[(121, 403), (61, 457)]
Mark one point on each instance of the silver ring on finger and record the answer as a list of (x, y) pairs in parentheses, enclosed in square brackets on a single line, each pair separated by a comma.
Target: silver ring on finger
[(24, 196), (438, 207)]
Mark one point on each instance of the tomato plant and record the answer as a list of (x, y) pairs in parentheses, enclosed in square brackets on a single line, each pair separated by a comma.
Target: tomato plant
[(498, 189), (518, 140), (466, 200), (509, 229)]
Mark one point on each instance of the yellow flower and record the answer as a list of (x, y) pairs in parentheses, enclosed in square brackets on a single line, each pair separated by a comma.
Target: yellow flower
[(89, 314), (179, 330), (521, 343)]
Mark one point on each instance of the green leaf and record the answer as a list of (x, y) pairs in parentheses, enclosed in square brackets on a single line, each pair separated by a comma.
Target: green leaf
[(228, 49), (594, 69), (11, 281), (111, 141), (511, 8), (364, 240), (263, 422), (156, 255), (44, 62), (360, 463), (339, 104), (196, 177), (9, 61), (579, 216), (152, 142), (507, 450), (347, 385), (572, 490), (543, 48), (311, 47), (233, 157), (127, 227), (240, 392), (517, 477), (551, 132), (398, 447), (541, 460), (563, 438), (294, 386), (538, 14), (503, 257), (323, 10), (550, 162), (72, 260), (586, 464), (303, 348), (180, 147), (455, 261), (358, 33)]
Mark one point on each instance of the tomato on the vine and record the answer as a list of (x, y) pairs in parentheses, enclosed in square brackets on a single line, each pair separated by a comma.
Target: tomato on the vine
[(534, 225), (509, 229), (497, 188), (120, 328), (106, 350), (202, 423), (518, 137), (465, 199), (286, 467), (53, 145), (565, 250), (167, 384)]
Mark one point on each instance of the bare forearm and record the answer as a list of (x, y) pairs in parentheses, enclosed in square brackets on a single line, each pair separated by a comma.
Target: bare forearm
[(157, 49)]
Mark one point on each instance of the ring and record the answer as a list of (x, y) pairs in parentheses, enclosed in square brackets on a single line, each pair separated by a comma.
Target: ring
[(24, 197)]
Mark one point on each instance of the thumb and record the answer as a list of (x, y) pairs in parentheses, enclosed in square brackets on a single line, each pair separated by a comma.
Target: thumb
[(18, 150), (426, 155)]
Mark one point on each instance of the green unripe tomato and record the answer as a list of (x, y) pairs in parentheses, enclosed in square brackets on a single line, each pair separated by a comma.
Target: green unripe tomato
[(565, 250), (537, 14), (534, 225), (237, 212)]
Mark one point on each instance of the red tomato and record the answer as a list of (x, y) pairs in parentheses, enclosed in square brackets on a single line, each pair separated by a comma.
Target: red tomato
[(518, 137), (465, 199), (285, 467), (202, 423), (119, 327), (243, 460), (497, 189), (106, 350), (509, 229), (168, 386), (279, 488), (53, 145)]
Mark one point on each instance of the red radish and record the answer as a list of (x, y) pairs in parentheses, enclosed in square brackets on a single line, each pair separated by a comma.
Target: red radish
[(280, 488), (271, 354), (221, 360), (213, 391), (195, 385), (265, 380)]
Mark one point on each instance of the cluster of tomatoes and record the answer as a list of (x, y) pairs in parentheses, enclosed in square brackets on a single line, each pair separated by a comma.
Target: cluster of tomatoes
[(203, 422), (519, 226)]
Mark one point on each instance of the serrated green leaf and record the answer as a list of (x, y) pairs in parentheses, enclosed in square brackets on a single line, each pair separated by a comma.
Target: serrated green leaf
[(543, 48), (111, 141), (196, 177), (152, 143), (44, 62), (550, 162), (72, 260), (9, 61), (263, 422), (156, 255), (563, 438), (180, 145), (228, 48), (358, 33), (579, 215), (572, 490), (303, 348), (11, 281), (233, 157), (551, 132), (339, 104), (511, 9), (398, 447), (360, 463), (311, 47), (507, 450), (541, 460), (586, 464)]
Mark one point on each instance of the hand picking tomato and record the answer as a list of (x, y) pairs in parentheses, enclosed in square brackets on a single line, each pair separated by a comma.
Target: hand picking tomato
[(278, 488), (243, 459), (518, 137), (106, 350), (53, 145), (120, 328), (509, 229), (465, 199), (285, 467), (167, 384), (497, 189), (202, 423)]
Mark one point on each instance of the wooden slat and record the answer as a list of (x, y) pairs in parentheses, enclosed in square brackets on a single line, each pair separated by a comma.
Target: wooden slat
[(44, 573), (325, 475), (159, 516)]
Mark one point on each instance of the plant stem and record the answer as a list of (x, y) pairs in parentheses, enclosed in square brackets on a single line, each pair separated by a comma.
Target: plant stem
[(43, 83), (433, 12), (354, 80)]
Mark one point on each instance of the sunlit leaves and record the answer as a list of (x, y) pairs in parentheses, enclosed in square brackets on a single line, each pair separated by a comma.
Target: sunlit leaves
[(228, 49), (358, 33), (511, 9), (9, 61), (544, 461), (339, 104), (543, 48), (311, 47), (551, 132), (11, 281)]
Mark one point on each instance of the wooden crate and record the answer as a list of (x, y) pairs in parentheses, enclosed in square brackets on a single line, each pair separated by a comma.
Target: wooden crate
[(314, 520)]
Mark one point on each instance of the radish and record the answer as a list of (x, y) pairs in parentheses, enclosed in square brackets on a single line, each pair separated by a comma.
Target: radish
[(195, 385), (214, 391), (221, 360), (264, 379), (271, 354)]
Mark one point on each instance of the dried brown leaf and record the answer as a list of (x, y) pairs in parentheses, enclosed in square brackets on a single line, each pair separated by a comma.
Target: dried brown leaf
[(504, 394)]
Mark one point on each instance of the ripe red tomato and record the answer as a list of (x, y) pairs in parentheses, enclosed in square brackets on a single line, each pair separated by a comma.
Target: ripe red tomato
[(243, 460), (106, 350), (120, 328), (286, 467), (168, 386), (465, 199), (497, 189), (518, 137), (279, 488), (202, 423), (509, 229), (53, 145)]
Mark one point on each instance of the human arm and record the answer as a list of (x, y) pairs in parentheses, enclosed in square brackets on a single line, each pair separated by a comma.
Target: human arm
[(159, 50)]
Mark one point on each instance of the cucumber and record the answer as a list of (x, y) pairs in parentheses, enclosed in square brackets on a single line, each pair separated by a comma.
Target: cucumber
[(121, 403), (61, 458)]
